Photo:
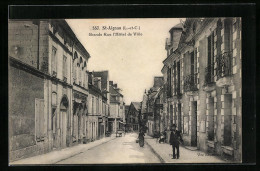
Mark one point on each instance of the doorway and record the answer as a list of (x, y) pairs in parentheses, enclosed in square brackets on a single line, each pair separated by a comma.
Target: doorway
[(63, 121), (179, 117), (194, 123), (54, 127), (63, 114)]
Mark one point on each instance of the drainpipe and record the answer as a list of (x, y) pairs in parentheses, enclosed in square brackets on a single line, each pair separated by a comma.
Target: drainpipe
[(38, 50)]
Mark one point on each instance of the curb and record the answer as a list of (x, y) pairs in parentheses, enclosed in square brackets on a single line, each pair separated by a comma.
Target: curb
[(152, 149)]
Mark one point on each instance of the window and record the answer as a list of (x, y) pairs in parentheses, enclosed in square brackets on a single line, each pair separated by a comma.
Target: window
[(86, 79), (41, 120), (54, 61), (169, 80), (210, 68), (171, 114), (178, 77), (97, 106), (65, 66), (92, 105), (79, 71)]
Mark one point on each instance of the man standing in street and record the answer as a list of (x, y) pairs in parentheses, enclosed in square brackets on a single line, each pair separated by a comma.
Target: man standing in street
[(175, 139)]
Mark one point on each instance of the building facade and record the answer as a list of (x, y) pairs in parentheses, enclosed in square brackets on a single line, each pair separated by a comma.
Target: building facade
[(202, 74), (132, 117), (42, 89), (102, 82), (117, 108)]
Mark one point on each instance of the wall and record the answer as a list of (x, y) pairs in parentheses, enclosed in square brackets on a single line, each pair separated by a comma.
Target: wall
[(114, 110), (24, 88), (24, 38)]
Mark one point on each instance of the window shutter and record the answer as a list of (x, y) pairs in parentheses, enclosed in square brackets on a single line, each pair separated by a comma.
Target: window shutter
[(37, 119), (42, 119), (186, 64)]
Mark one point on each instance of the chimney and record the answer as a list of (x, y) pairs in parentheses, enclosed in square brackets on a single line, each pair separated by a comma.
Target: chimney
[(111, 83), (115, 85)]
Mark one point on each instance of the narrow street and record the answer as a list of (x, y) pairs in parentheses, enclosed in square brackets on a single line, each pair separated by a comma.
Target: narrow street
[(120, 150)]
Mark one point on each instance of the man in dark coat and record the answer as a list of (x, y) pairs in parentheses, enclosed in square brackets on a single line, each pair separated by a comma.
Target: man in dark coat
[(175, 139)]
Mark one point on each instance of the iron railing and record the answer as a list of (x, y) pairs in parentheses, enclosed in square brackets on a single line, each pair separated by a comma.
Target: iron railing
[(190, 82), (223, 65)]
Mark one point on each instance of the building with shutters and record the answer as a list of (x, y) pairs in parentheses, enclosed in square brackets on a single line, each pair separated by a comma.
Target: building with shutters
[(48, 87), (117, 108), (151, 108), (99, 104), (202, 74)]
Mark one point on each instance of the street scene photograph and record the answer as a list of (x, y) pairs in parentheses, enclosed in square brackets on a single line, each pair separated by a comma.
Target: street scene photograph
[(124, 91)]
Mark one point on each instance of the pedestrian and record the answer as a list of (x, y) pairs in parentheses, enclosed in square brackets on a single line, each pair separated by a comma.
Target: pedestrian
[(141, 138), (175, 139)]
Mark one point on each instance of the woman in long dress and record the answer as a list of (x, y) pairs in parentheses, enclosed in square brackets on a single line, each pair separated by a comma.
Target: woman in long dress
[(141, 138)]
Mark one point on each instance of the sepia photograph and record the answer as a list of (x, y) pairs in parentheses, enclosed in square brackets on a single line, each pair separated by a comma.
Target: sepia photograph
[(125, 91)]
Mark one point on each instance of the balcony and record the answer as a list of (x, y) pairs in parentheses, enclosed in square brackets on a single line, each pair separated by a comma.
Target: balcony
[(190, 83), (177, 93), (223, 71)]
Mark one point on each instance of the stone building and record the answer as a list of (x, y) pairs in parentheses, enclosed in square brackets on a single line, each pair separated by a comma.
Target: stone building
[(203, 77), (153, 106), (117, 108), (132, 117), (102, 82), (42, 87)]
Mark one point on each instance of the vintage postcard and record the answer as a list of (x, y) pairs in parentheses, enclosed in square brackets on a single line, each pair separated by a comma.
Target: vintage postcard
[(125, 91)]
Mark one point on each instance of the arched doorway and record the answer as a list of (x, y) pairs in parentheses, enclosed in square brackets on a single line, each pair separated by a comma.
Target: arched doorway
[(64, 120)]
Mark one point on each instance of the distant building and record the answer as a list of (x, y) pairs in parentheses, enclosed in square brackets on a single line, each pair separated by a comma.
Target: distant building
[(117, 108), (132, 117), (153, 106), (126, 113), (102, 82)]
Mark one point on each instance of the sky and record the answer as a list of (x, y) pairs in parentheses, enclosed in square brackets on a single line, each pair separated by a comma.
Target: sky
[(132, 61)]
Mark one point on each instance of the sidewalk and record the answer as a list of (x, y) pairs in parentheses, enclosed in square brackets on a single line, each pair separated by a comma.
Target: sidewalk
[(59, 155), (164, 152)]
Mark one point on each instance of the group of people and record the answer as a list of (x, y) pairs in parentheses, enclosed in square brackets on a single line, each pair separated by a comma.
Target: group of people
[(175, 140)]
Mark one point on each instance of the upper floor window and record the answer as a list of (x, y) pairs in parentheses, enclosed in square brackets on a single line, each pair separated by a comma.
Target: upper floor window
[(65, 67), (209, 72), (169, 82), (190, 78), (54, 61)]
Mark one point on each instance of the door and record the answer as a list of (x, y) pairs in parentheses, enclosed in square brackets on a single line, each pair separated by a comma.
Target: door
[(54, 128), (194, 124), (179, 117), (63, 127)]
